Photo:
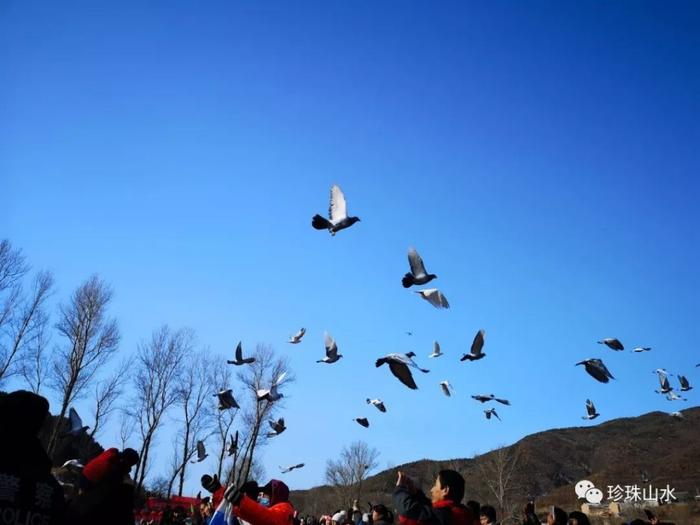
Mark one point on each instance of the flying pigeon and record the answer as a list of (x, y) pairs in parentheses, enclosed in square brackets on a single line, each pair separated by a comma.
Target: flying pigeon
[(590, 408), (399, 365), (362, 421), (337, 212), (271, 394), (226, 400), (677, 415), (332, 354), (491, 412), (277, 426), (612, 343), (697, 365), (417, 275), (490, 397), (672, 396), (239, 357), (663, 381), (446, 388), (640, 349), (475, 353), (436, 350), (76, 424), (685, 385), (377, 403), (409, 333), (296, 338), (284, 470), (434, 297), (597, 369), (201, 452), (233, 447)]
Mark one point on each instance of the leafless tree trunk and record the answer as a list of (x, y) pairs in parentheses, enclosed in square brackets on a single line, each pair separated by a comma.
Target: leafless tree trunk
[(256, 376), (156, 378), (347, 473), (92, 338), (195, 399), (106, 394), (22, 318), (175, 465), (34, 365), (498, 469)]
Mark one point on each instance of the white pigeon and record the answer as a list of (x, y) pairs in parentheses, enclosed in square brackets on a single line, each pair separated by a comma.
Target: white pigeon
[(337, 213), (446, 388), (640, 349), (417, 275), (296, 338), (201, 452), (284, 470), (491, 412), (76, 424), (332, 354), (271, 394), (434, 297), (672, 396), (436, 350), (226, 400), (377, 403), (590, 409), (399, 365), (677, 415)]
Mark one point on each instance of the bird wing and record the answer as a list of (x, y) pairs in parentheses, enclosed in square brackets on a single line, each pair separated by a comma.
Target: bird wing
[(401, 371), (502, 401), (338, 209), (663, 380), (280, 378), (436, 348), (201, 451), (683, 381), (590, 408), (416, 263), (75, 422), (495, 414), (239, 352), (331, 347), (445, 389), (478, 342), (602, 370)]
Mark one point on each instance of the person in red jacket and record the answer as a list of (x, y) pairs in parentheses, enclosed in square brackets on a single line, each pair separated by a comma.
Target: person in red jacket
[(444, 506), (268, 505)]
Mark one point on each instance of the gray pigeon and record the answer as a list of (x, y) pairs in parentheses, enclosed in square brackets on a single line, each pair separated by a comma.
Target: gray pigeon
[(337, 213), (239, 357), (284, 470), (417, 275), (362, 421), (640, 349), (271, 394), (399, 365), (377, 403), (76, 424), (332, 354), (201, 452), (612, 343), (277, 426), (663, 381), (491, 412), (685, 385), (490, 397), (296, 338), (434, 297), (446, 388), (597, 369), (233, 447), (475, 352), (226, 400), (590, 408)]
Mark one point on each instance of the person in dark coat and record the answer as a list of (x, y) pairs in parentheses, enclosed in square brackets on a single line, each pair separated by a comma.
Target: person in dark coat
[(28, 491), (382, 515), (444, 506)]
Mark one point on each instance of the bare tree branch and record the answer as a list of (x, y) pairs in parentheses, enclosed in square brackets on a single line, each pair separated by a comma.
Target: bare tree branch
[(106, 394), (347, 473)]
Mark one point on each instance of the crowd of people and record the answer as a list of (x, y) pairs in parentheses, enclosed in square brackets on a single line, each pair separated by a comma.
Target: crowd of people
[(101, 492)]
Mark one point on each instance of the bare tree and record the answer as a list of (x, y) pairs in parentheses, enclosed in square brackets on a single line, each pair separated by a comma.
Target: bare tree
[(22, 316), (347, 473), (91, 340), (498, 470), (194, 399), (127, 425), (220, 378), (34, 365), (156, 376), (106, 394), (259, 375)]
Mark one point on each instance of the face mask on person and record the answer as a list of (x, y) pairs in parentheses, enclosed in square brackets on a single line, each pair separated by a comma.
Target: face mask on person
[(264, 501)]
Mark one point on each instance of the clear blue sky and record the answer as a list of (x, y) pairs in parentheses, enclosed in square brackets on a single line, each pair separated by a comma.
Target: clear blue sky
[(541, 156)]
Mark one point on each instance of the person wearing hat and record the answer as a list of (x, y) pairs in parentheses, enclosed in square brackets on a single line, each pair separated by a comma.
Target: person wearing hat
[(30, 492), (268, 505)]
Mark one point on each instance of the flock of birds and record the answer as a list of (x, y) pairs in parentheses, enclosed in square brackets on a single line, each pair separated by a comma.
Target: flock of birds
[(402, 364)]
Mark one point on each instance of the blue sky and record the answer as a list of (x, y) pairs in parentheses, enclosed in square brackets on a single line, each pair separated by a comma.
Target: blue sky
[(542, 157)]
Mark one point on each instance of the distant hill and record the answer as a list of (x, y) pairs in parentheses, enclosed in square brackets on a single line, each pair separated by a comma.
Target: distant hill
[(550, 463)]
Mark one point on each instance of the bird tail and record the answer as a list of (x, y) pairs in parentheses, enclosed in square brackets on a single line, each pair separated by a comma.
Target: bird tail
[(407, 280), (320, 223)]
